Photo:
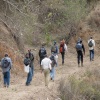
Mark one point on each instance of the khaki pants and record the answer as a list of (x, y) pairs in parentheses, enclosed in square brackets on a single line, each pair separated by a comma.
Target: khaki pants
[(46, 76)]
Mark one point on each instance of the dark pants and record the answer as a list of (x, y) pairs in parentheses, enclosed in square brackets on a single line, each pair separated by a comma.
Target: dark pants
[(32, 68), (63, 57), (41, 58), (6, 77), (80, 57), (91, 54)]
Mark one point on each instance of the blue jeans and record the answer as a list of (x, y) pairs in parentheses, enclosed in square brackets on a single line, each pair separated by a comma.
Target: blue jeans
[(32, 68), (6, 77), (52, 73), (29, 77), (91, 54)]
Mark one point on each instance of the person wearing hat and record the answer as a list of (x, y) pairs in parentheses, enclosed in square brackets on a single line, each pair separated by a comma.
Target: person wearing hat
[(80, 49), (46, 68), (91, 44), (6, 65), (55, 50)]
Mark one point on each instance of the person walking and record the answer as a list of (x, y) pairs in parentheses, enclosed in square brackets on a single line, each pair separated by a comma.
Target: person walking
[(31, 57), (91, 44), (46, 68), (55, 50), (6, 65), (53, 64), (27, 63), (63, 49), (80, 49), (42, 53)]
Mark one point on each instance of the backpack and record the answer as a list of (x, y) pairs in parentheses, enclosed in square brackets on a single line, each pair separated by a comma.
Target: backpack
[(90, 44), (53, 49), (6, 63), (61, 49), (52, 58), (27, 62), (78, 46), (42, 52)]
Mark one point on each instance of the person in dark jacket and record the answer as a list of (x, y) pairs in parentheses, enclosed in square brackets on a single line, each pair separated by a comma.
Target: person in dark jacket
[(80, 53), (31, 57), (27, 62), (42, 53)]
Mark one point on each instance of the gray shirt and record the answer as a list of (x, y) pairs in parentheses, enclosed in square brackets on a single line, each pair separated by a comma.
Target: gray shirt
[(9, 67)]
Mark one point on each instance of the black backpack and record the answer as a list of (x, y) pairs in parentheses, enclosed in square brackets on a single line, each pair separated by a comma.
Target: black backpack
[(6, 63), (42, 52), (27, 61), (53, 61), (90, 44)]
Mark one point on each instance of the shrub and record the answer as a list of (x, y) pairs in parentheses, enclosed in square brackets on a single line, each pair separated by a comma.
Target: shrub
[(83, 88)]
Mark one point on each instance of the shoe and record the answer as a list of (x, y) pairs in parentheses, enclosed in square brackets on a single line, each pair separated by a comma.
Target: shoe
[(4, 85), (27, 84)]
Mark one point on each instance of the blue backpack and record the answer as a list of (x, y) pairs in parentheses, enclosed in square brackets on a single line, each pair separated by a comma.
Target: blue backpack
[(78, 46)]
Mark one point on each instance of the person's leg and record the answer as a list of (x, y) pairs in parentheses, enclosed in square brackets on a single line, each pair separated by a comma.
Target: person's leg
[(29, 77), (53, 73), (81, 58), (78, 58), (62, 54), (32, 67), (5, 78), (93, 54), (46, 74), (90, 55), (8, 78)]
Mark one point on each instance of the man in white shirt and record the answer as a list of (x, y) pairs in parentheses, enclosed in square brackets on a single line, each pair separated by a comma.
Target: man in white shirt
[(91, 44), (46, 67)]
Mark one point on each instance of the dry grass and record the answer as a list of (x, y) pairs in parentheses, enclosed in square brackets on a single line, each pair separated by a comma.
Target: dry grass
[(83, 88)]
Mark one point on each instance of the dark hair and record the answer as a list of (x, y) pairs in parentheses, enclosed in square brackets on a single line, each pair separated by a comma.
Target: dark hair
[(91, 37), (6, 55)]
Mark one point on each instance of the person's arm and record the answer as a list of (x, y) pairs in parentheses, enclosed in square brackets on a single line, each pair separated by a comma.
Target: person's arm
[(83, 48)]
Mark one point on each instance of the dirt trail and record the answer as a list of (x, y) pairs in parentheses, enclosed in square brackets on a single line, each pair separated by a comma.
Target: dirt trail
[(37, 90)]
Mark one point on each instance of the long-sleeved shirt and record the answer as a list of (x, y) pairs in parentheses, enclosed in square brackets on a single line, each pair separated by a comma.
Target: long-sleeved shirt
[(10, 65), (91, 48)]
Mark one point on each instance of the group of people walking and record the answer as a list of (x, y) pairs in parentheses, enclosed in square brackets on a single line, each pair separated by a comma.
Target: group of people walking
[(47, 63), (81, 50)]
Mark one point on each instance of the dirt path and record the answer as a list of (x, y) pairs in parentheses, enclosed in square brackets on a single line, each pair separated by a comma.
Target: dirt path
[(37, 90)]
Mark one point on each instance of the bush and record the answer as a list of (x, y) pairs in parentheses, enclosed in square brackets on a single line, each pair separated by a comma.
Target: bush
[(86, 88)]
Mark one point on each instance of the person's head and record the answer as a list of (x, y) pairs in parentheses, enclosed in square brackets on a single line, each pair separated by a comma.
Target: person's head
[(29, 50), (6, 55), (80, 41), (27, 55), (91, 37), (54, 43)]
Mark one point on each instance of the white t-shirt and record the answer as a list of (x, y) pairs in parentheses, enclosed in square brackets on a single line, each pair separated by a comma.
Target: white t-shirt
[(46, 63), (91, 48)]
